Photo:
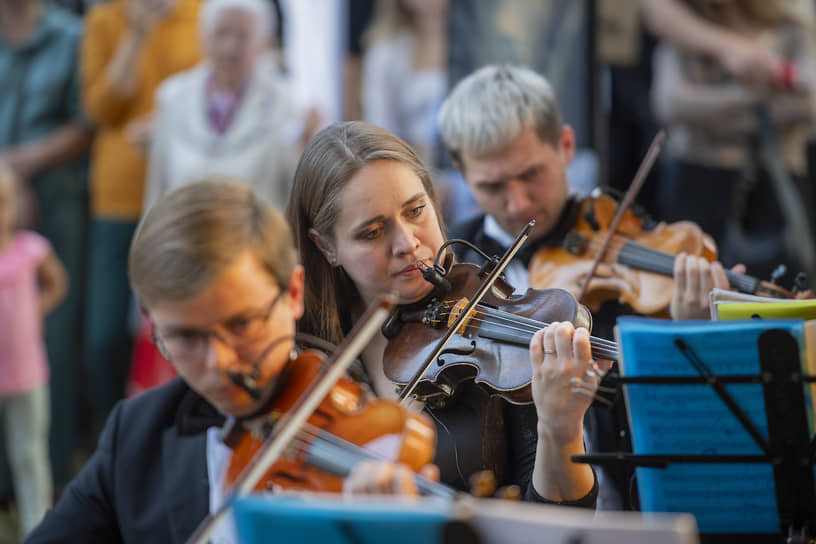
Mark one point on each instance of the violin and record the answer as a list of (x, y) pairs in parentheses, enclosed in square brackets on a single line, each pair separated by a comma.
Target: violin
[(488, 343), (306, 411), (347, 427), (638, 264)]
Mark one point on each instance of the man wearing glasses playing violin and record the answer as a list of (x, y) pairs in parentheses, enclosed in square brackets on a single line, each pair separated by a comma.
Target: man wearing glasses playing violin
[(216, 271)]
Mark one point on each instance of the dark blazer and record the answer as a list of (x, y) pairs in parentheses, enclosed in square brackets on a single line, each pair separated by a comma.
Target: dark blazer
[(147, 480)]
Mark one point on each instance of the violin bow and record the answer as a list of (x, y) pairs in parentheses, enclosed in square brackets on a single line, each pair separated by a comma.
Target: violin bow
[(409, 388), (633, 190), (291, 422)]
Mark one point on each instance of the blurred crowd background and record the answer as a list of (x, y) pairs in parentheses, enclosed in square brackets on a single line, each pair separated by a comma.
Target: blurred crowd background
[(106, 105)]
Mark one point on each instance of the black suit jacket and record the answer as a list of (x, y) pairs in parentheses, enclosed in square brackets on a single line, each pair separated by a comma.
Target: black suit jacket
[(147, 480)]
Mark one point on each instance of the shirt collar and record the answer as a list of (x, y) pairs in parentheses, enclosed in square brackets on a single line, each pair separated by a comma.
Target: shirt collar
[(493, 230)]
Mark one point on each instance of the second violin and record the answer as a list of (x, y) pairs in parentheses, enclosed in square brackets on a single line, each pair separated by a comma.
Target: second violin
[(637, 266)]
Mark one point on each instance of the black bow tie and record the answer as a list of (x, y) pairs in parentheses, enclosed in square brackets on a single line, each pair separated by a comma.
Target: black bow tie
[(196, 415)]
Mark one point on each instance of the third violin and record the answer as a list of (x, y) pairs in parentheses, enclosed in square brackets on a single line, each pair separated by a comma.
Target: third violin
[(637, 266)]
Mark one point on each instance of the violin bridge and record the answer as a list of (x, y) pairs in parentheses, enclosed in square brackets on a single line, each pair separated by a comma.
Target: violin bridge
[(455, 311)]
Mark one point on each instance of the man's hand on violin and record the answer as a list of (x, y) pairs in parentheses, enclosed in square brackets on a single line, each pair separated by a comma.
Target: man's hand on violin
[(386, 478), (565, 379), (694, 278)]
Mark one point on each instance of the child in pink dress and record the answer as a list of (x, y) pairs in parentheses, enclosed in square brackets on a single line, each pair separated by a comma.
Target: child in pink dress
[(32, 283)]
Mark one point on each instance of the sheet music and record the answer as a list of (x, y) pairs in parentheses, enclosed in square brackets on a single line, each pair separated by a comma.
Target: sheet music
[(733, 305), (692, 419)]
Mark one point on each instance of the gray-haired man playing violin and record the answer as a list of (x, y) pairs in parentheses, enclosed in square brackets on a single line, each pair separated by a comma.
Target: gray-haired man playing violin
[(503, 128)]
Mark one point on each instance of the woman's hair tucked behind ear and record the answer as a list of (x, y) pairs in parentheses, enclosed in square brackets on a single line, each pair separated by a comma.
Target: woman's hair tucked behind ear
[(327, 164)]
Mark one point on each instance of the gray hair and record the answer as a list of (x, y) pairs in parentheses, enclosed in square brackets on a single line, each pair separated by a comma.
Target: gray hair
[(261, 14), (488, 109)]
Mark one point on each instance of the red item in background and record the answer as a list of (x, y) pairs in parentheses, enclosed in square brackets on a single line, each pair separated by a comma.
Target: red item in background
[(148, 367)]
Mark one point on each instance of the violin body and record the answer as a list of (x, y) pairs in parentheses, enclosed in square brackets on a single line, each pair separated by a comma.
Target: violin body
[(346, 413), (638, 265), (492, 348), (647, 292)]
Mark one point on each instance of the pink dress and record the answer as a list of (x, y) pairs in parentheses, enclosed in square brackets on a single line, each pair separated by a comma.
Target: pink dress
[(23, 363)]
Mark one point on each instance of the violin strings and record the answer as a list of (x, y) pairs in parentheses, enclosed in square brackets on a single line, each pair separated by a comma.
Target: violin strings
[(616, 243), (332, 449), (327, 446), (326, 451), (648, 259), (604, 348), (638, 255), (493, 315)]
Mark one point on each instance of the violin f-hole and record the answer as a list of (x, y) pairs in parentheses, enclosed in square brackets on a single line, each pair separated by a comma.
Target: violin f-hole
[(456, 351)]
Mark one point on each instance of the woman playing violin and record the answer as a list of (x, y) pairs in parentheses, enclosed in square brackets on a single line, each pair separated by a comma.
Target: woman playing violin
[(216, 271), (365, 217)]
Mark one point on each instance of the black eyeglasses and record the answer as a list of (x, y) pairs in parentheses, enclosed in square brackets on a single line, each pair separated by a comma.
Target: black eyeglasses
[(244, 334)]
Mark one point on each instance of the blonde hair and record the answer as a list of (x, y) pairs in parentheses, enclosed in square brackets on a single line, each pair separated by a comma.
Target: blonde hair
[(491, 107), (191, 235), (327, 164)]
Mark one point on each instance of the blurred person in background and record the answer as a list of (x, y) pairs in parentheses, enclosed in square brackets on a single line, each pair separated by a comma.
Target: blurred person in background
[(746, 59), (232, 115), (32, 283), (129, 48), (627, 36), (405, 78), (405, 71), (76, 6), (718, 169), (44, 139)]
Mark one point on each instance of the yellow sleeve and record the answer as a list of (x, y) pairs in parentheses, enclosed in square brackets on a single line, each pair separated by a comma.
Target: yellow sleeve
[(102, 34)]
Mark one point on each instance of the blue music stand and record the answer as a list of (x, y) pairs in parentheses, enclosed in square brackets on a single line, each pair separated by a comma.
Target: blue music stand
[(329, 520), (720, 423)]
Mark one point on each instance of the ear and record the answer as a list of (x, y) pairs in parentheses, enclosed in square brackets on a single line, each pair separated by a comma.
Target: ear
[(295, 291), (567, 143), (324, 246)]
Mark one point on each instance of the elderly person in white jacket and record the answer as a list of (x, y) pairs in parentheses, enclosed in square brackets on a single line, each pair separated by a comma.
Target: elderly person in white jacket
[(232, 115)]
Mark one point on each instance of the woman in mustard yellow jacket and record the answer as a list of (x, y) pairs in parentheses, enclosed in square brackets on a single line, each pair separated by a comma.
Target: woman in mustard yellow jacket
[(129, 47)]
